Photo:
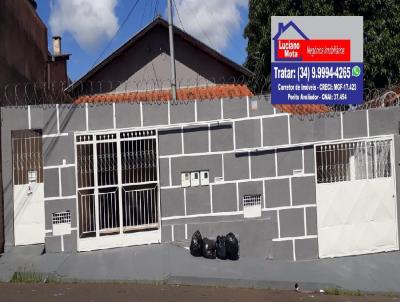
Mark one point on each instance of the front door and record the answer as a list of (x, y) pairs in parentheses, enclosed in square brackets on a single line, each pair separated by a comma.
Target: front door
[(28, 187)]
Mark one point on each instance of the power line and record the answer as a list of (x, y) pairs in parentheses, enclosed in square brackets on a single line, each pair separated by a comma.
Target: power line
[(118, 31), (177, 13)]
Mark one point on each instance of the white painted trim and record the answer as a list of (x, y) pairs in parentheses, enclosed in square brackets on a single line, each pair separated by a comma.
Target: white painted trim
[(290, 192), (276, 162), (222, 108), (237, 196), (59, 197), (170, 173), (114, 116), (223, 167), (169, 113), (58, 117), (234, 135), (29, 118), (195, 111), (248, 105), (184, 201), (211, 200), (186, 231), (59, 182), (289, 133), (59, 166), (87, 116), (183, 142), (172, 230), (209, 138), (295, 238), (249, 160), (54, 135), (305, 221), (262, 132), (302, 159), (264, 197), (278, 221), (62, 243), (341, 125), (294, 250), (141, 114)]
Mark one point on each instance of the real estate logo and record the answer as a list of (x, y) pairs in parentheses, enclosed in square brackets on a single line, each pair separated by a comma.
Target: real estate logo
[(317, 60)]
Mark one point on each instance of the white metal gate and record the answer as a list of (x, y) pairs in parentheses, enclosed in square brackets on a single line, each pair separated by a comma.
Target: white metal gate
[(356, 197), (28, 187), (117, 189)]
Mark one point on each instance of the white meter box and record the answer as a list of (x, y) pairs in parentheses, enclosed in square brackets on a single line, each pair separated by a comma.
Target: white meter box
[(195, 179)]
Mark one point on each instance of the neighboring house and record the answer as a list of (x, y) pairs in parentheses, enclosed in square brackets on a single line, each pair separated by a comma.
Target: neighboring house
[(24, 58), (143, 64)]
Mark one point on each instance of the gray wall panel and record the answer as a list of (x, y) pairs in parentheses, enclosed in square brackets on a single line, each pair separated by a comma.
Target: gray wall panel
[(179, 232), (182, 112), (127, 115), (70, 242), (221, 137), (306, 249), (288, 160), (195, 139), (384, 121), (249, 188), (315, 129), (166, 233), (72, 118), (264, 106), (50, 120), (155, 113), (309, 160), (235, 108), (198, 200), (164, 172), (224, 198), (68, 181), (170, 141), (355, 124), (291, 222), (262, 164), (303, 190), (311, 217), (51, 183), (248, 134), (275, 131), (208, 110), (55, 149), (282, 250), (100, 117), (212, 163), (172, 202), (37, 117), (236, 166), (277, 193), (53, 244)]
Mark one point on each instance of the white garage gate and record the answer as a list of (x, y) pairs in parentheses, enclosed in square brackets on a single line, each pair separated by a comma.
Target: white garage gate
[(356, 197)]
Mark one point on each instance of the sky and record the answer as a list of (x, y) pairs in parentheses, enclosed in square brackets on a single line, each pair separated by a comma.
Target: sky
[(92, 29)]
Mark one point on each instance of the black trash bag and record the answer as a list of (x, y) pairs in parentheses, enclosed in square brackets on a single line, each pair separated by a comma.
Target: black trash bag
[(220, 246), (196, 244), (208, 248), (232, 247)]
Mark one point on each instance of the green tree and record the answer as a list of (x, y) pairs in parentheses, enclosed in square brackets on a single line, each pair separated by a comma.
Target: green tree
[(381, 35)]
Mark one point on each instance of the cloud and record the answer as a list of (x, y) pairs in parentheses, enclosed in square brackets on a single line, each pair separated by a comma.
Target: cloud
[(90, 22), (212, 21)]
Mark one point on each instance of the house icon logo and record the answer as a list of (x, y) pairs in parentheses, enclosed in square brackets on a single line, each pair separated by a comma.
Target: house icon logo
[(291, 47)]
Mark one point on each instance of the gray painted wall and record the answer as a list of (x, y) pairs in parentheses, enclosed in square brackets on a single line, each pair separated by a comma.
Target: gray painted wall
[(231, 150)]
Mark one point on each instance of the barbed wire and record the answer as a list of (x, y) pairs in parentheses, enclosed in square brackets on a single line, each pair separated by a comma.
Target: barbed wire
[(103, 92)]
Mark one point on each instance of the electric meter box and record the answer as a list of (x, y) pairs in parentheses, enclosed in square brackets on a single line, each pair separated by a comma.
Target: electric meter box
[(204, 178), (185, 179), (195, 179)]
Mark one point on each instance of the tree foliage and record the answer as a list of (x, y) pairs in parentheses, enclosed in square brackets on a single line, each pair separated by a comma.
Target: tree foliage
[(381, 35)]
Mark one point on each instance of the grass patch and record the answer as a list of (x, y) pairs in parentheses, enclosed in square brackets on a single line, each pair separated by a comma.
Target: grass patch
[(27, 277), (336, 291)]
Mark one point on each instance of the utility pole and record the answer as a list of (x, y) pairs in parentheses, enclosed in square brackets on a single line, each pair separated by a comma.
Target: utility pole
[(172, 50)]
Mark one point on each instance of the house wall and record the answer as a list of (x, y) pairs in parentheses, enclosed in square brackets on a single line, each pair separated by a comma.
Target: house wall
[(223, 138), (146, 65)]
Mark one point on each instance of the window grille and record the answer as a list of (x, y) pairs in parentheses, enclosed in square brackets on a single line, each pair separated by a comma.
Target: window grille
[(252, 206), (353, 161), (62, 217)]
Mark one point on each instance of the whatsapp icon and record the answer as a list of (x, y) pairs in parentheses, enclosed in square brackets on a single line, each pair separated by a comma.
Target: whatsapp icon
[(356, 71)]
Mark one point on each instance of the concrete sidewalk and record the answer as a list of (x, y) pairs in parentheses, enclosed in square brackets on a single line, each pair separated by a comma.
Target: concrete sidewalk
[(173, 264)]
